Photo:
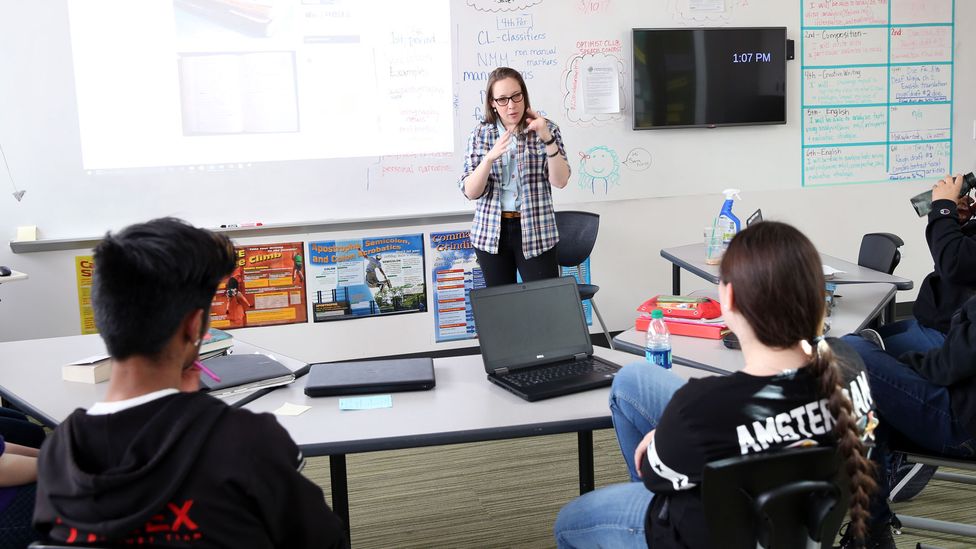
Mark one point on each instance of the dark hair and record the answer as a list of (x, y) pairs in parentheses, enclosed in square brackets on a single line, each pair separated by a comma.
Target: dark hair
[(501, 73), (233, 283), (778, 284), (149, 276)]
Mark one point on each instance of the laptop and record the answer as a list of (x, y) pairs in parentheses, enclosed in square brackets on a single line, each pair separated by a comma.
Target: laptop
[(370, 377), (534, 339)]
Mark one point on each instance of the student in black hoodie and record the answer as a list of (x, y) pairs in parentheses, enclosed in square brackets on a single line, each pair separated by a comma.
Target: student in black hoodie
[(927, 398), (158, 463), (951, 236)]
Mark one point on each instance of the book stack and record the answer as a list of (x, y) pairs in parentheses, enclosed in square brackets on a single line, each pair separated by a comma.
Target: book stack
[(93, 369), (685, 316), (215, 343)]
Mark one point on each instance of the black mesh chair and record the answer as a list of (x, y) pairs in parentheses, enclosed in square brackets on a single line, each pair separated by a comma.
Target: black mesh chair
[(577, 235), (879, 251), (785, 499)]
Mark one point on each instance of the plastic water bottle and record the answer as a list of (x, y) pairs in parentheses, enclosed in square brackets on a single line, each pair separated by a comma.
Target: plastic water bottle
[(657, 348)]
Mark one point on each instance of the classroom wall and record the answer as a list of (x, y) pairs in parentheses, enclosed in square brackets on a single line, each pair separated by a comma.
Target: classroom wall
[(626, 262)]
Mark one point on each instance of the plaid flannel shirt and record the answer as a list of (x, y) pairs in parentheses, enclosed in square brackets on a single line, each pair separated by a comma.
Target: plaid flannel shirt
[(538, 218)]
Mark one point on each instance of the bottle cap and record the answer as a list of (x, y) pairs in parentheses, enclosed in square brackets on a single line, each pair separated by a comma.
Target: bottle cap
[(657, 313)]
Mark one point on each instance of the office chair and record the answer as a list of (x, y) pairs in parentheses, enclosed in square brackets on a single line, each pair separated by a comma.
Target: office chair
[(879, 251), (918, 456), (577, 235), (784, 499)]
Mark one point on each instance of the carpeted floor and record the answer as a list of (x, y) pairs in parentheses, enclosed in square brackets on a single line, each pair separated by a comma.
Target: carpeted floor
[(507, 494)]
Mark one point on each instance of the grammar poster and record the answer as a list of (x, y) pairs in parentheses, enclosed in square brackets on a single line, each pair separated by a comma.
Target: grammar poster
[(84, 267), (267, 287), (365, 277), (455, 272)]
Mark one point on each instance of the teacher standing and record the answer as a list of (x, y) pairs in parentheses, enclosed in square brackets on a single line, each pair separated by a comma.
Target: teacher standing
[(513, 159)]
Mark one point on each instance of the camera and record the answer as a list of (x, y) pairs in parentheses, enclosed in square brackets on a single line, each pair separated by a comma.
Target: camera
[(922, 202)]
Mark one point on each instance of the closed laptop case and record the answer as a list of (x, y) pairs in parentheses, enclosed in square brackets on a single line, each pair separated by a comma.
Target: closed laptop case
[(370, 376), (244, 372)]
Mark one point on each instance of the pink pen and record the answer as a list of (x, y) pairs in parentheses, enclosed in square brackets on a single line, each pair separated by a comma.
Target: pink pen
[(206, 370)]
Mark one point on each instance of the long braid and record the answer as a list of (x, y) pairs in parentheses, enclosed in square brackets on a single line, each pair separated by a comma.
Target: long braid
[(860, 470)]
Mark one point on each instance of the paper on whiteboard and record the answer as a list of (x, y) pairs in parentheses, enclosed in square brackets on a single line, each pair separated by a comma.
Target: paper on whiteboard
[(601, 88)]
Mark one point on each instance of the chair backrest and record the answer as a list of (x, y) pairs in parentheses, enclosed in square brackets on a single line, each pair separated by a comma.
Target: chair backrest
[(789, 498), (577, 235), (879, 251)]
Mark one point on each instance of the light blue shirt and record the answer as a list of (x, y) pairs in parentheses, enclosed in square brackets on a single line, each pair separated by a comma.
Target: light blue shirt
[(510, 197)]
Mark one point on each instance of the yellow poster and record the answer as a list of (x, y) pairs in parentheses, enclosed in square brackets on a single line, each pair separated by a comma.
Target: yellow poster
[(84, 267)]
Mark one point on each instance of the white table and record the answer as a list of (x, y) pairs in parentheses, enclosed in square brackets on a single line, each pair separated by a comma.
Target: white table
[(691, 258), (855, 306), (30, 375), (463, 407)]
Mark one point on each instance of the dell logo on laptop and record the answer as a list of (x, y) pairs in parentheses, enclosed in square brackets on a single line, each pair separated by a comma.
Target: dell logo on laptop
[(540, 356)]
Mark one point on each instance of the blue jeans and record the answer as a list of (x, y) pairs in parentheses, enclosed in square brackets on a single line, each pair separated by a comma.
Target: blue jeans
[(908, 335), (910, 407), (639, 394), (613, 516)]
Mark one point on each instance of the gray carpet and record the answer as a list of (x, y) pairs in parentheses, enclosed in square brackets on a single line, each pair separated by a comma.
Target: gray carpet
[(507, 494)]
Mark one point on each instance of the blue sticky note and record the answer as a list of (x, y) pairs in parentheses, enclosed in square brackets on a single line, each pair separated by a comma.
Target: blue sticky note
[(366, 402)]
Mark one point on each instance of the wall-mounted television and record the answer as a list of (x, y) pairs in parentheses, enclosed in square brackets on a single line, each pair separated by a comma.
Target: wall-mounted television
[(708, 77)]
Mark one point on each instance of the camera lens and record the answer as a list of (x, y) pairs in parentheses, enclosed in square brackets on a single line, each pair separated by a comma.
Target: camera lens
[(968, 183)]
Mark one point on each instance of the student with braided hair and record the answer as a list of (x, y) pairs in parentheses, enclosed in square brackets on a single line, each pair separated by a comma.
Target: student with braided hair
[(796, 389)]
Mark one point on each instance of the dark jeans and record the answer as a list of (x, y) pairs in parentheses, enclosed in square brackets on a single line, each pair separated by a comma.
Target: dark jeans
[(16, 428), (500, 268), (909, 407), (908, 335)]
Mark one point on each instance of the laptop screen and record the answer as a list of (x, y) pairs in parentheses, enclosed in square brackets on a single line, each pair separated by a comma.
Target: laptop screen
[(530, 323)]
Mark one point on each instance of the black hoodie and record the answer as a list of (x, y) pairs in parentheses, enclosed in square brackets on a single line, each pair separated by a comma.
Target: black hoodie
[(953, 281), (184, 470), (954, 365)]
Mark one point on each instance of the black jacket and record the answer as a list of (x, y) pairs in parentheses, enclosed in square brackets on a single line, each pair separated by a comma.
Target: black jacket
[(954, 365), (184, 470), (953, 281)]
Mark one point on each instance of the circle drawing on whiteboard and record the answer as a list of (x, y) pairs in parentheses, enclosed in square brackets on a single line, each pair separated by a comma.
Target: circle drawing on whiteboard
[(572, 88), (638, 160), (599, 167), (703, 11), (502, 5)]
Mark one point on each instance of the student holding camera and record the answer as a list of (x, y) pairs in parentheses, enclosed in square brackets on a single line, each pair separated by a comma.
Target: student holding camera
[(951, 237)]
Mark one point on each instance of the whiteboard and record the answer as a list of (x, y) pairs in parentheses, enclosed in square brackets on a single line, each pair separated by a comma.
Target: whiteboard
[(877, 91), (548, 40)]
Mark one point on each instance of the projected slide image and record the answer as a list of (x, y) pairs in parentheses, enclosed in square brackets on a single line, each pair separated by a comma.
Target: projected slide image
[(248, 17), (339, 79), (238, 93)]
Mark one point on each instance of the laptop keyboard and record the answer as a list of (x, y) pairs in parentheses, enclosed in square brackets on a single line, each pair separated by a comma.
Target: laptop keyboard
[(546, 374)]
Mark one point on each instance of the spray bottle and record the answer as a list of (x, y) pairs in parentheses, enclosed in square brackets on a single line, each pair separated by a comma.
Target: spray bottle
[(727, 221)]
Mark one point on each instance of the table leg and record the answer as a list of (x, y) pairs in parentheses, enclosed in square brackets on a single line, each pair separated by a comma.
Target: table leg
[(585, 450), (340, 489), (675, 279)]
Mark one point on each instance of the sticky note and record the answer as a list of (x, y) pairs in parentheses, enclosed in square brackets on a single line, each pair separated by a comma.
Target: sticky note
[(289, 409), (366, 403)]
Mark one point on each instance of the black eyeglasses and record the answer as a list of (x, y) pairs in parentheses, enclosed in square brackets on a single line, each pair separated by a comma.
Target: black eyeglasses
[(502, 101)]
